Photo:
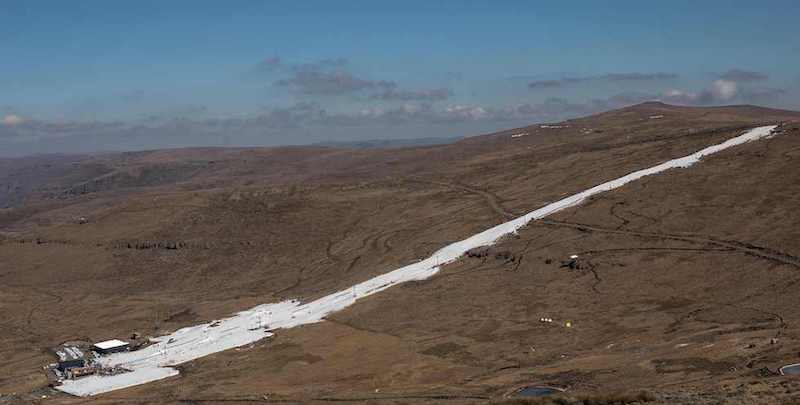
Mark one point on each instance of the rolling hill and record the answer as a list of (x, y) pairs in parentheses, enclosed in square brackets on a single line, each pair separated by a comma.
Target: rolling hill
[(684, 286)]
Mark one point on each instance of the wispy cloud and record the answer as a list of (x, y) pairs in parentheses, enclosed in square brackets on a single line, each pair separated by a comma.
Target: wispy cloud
[(609, 77), (413, 95), (188, 111), (738, 75), (17, 129), (313, 114), (269, 65), (328, 76), (331, 83), (333, 77), (636, 77), (545, 84), (273, 64), (322, 64)]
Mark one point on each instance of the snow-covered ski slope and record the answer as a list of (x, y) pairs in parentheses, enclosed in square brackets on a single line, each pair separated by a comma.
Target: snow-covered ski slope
[(153, 362)]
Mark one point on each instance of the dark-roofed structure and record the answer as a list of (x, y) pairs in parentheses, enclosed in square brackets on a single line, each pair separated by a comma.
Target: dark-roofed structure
[(70, 357)]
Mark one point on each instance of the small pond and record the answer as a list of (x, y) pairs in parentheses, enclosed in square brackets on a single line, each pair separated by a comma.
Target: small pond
[(792, 369), (536, 391)]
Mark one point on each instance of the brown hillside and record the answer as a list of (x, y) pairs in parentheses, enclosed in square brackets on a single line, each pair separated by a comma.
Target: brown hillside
[(685, 287)]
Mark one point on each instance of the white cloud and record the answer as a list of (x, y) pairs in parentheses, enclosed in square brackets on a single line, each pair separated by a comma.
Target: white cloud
[(721, 91), (724, 90), (678, 93), (465, 111), (12, 119)]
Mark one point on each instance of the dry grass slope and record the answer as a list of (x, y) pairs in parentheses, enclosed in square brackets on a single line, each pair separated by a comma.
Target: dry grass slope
[(685, 287)]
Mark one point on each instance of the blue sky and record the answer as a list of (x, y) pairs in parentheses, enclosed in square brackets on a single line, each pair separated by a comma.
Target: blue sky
[(187, 73)]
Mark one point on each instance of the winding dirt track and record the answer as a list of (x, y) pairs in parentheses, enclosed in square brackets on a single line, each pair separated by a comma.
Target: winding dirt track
[(732, 245), (766, 253)]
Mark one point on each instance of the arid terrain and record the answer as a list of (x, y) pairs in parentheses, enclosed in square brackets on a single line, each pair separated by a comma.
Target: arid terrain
[(685, 286)]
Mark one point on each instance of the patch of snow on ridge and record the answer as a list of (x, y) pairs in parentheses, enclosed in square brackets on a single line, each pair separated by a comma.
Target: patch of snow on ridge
[(153, 362)]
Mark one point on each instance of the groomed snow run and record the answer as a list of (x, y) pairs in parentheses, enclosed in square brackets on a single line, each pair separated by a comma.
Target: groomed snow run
[(153, 362)]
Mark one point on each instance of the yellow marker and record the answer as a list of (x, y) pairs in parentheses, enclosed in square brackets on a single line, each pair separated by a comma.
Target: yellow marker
[(568, 324)]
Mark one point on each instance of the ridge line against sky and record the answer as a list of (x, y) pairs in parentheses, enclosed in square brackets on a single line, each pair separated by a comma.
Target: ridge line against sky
[(95, 75)]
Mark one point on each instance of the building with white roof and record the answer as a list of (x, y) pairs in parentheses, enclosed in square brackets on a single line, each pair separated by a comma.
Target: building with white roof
[(111, 346)]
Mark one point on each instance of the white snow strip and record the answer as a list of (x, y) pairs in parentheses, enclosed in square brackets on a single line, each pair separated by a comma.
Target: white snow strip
[(153, 362), (96, 384)]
